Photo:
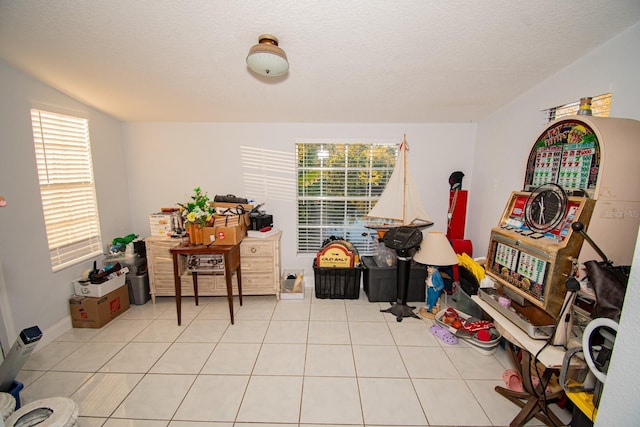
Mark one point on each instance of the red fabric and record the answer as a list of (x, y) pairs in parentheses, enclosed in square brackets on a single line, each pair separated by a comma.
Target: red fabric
[(461, 246), (458, 212)]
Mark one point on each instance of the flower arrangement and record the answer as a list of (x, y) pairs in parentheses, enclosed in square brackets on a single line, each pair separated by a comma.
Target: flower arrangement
[(198, 210)]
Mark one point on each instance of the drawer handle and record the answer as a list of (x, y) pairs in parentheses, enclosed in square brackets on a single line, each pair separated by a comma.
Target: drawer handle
[(254, 250)]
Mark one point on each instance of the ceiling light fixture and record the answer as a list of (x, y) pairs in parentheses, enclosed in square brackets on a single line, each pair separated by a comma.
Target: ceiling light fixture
[(266, 58)]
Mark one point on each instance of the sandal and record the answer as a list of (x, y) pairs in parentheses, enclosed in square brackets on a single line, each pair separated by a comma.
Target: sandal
[(512, 380), (444, 335), (535, 381)]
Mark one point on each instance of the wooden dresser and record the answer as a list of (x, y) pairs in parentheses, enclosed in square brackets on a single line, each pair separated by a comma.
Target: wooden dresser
[(259, 262)]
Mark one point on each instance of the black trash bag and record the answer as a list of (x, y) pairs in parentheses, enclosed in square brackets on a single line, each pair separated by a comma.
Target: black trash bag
[(610, 284)]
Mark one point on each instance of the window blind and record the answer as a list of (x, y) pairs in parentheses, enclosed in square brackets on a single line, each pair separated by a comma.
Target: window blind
[(338, 184), (65, 172), (600, 106)]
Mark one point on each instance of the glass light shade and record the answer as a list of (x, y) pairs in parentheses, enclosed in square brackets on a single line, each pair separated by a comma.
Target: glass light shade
[(435, 249), (266, 58)]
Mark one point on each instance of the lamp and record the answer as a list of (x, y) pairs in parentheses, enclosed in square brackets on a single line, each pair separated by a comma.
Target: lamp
[(266, 58), (436, 250)]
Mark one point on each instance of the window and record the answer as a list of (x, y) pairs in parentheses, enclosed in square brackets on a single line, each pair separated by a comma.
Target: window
[(600, 106), (338, 184), (65, 171)]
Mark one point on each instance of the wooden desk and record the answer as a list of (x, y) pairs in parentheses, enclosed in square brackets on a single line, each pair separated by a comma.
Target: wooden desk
[(231, 254), (533, 401)]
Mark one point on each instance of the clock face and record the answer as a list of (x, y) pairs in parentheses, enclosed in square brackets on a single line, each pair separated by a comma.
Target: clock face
[(546, 207)]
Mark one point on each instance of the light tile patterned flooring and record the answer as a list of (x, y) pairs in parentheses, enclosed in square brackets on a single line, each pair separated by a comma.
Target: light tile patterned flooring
[(311, 362)]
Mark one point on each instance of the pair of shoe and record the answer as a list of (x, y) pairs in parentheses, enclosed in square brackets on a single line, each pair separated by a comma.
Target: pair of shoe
[(514, 383)]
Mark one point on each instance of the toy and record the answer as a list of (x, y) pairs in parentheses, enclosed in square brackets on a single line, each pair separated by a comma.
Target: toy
[(435, 286)]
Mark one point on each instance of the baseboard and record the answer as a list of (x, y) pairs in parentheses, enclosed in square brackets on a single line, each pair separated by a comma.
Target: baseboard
[(54, 332)]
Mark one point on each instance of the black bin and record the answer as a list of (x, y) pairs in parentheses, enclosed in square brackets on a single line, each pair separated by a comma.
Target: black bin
[(337, 283)]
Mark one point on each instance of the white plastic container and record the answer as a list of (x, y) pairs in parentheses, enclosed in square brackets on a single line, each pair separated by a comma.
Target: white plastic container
[(87, 289), (292, 288)]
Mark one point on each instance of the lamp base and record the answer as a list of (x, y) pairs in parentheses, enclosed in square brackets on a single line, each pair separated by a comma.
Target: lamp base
[(401, 310)]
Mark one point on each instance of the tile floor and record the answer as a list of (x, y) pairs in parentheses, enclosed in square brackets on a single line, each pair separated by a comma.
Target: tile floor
[(311, 362)]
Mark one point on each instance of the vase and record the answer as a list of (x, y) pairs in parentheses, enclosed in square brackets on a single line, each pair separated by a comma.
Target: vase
[(196, 234)]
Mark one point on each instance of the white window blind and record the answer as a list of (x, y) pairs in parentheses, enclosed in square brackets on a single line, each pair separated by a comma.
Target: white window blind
[(65, 171), (600, 106), (338, 184)]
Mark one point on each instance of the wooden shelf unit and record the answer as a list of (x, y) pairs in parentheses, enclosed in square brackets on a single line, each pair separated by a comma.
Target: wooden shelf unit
[(259, 263)]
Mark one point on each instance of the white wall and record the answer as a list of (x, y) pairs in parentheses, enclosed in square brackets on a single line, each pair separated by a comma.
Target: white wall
[(169, 159), (505, 138), (502, 146), (35, 295)]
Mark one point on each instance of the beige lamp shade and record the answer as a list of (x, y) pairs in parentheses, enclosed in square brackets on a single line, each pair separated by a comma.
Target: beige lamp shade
[(266, 58), (435, 249)]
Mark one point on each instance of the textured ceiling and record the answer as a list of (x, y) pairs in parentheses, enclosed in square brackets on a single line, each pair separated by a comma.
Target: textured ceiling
[(351, 61)]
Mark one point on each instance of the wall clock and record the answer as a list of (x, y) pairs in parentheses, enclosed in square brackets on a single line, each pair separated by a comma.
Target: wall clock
[(546, 207)]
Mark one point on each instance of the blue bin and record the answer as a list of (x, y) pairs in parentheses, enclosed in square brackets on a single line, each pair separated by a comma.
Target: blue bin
[(14, 391)]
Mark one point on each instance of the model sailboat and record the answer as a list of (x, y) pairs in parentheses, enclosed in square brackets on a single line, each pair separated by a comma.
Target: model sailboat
[(399, 204)]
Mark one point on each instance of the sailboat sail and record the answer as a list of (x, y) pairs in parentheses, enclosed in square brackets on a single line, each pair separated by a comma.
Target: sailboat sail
[(399, 201)]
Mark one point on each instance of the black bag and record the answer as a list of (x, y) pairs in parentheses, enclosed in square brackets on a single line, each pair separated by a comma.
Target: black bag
[(230, 198), (610, 284)]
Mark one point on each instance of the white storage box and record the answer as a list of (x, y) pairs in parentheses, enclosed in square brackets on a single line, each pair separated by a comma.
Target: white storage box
[(160, 224), (87, 289), (292, 286)]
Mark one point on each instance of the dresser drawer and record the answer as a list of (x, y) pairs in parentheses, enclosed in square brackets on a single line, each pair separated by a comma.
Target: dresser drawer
[(208, 284), (160, 247), (255, 248), (250, 264)]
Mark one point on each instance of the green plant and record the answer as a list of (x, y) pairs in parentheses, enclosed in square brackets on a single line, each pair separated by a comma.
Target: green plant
[(198, 210)]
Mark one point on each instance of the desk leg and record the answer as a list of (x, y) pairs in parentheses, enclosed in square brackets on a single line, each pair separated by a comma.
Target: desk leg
[(227, 276), (178, 285), (532, 401), (239, 275), (194, 275)]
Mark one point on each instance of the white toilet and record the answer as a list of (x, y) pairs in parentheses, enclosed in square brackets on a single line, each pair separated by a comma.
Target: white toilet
[(50, 412), (7, 405)]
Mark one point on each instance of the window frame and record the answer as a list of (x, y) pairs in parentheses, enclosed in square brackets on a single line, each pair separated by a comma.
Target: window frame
[(340, 215), (62, 148), (600, 107)]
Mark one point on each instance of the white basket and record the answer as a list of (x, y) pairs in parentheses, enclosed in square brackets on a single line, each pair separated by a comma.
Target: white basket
[(289, 286), (87, 289)]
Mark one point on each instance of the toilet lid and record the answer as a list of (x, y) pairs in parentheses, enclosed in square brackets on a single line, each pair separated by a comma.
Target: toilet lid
[(52, 412)]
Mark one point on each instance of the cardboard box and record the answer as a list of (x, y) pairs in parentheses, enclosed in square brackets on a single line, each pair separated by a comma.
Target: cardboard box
[(88, 312), (227, 234), (88, 289)]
